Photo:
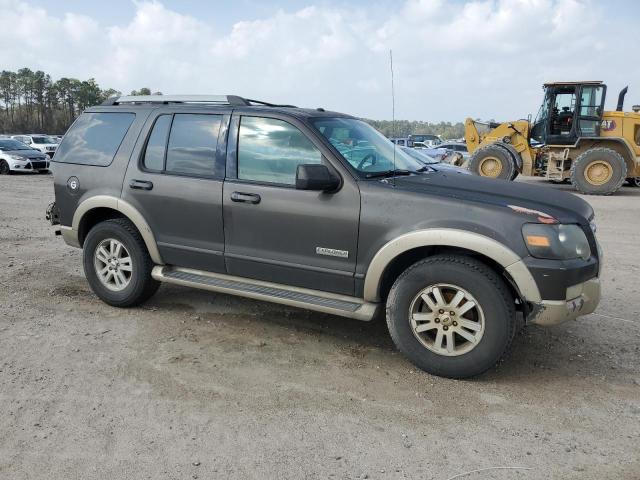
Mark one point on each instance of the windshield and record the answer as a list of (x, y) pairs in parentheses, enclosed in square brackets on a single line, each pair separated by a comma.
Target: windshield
[(366, 149), (41, 140), (418, 155), (9, 145)]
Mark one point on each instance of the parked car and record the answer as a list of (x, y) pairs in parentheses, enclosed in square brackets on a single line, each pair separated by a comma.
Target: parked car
[(318, 210), (439, 154), (400, 141), (44, 143), (456, 147), (432, 162), (429, 140), (15, 156), (634, 181)]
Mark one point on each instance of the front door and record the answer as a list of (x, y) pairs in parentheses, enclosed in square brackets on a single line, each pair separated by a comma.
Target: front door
[(175, 181), (274, 232), (561, 126)]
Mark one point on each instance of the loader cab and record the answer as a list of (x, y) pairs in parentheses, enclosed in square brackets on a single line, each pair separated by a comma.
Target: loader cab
[(569, 111)]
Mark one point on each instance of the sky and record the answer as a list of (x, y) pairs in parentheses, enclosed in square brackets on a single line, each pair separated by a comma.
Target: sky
[(452, 59)]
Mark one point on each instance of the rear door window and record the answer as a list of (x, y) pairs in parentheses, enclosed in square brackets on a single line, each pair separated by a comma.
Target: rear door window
[(154, 153), (184, 144), (192, 144), (94, 138)]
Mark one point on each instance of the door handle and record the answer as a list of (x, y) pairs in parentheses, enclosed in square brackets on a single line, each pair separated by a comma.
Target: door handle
[(141, 185), (245, 197)]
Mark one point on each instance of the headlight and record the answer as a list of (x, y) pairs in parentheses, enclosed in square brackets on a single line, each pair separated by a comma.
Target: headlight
[(556, 242), (16, 157)]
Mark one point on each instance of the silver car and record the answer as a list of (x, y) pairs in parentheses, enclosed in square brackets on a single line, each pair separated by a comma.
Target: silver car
[(15, 156), (432, 162)]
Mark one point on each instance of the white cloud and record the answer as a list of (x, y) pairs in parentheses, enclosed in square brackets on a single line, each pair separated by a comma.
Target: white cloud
[(483, 58)]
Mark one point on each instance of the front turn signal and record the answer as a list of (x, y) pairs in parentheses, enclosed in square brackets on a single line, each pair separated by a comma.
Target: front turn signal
[(538, 241)]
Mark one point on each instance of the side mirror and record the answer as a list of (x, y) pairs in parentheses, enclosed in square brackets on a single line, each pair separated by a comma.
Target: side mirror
[(316, 177)]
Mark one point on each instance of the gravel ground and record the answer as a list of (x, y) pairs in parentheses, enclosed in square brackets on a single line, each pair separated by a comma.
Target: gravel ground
[(198, 385)]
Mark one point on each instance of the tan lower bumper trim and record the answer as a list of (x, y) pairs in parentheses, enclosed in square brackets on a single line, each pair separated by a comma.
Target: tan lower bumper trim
[(70, 236), (554, 312)]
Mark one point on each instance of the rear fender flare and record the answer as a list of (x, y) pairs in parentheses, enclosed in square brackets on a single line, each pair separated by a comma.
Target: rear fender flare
[(627, 152), (128, 210)]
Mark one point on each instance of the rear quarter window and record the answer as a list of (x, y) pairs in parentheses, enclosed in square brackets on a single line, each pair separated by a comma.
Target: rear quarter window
[(94, 138)]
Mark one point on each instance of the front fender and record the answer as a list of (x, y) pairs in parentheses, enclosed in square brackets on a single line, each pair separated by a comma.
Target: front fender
[(450, 237)]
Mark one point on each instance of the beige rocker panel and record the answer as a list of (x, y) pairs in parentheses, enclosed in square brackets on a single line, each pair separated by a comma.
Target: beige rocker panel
[(106, 201), (481, 244)]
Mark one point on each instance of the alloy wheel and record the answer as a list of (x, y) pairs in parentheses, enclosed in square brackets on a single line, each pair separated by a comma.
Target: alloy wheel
[(447, 319), (113, 264)]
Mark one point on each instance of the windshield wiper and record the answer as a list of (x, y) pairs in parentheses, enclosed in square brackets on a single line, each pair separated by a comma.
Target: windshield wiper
[(388, 173)]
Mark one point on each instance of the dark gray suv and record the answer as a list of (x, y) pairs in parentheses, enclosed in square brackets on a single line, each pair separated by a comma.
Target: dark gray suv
[(318, 210)]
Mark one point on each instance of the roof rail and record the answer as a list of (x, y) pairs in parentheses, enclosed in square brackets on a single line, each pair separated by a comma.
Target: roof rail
[(232, 100), (213, 99)]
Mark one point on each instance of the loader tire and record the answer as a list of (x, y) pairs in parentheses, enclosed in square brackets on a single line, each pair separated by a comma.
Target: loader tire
[(598, 171), (493, 161), (515, 156)]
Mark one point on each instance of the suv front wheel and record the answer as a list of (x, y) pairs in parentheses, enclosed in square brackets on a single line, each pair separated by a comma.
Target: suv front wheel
[(451, 315), (117, 264)]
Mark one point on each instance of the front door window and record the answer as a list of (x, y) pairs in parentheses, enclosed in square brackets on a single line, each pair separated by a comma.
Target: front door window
[(562, 113), (270, 150)]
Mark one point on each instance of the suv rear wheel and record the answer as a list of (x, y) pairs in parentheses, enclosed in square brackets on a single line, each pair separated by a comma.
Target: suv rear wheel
[(117, 264), (451, 315)]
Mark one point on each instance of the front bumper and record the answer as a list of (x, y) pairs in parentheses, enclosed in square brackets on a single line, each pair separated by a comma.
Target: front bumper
[(582, 299), (29, 165)]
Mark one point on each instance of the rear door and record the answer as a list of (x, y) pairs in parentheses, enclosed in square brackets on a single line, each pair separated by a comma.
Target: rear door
[(175, 180), (274, 232)]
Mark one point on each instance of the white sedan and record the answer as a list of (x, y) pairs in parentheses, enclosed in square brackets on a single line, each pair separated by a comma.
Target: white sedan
[(15, 156)]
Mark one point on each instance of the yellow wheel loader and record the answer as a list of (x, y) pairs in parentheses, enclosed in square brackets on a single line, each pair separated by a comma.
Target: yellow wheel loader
[(572, 138)]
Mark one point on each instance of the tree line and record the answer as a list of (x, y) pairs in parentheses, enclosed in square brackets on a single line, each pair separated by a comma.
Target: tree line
[(403, 128), (32, 102)]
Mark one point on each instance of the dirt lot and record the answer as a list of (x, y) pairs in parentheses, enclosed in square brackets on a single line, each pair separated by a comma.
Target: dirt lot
[(198, 385)]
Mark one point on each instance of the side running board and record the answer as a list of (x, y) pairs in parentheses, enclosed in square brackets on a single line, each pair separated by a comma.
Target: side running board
[(319, 301)]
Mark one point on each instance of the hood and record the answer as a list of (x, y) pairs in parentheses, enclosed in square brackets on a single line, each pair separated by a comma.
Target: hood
[(30, 154), (566, 207)]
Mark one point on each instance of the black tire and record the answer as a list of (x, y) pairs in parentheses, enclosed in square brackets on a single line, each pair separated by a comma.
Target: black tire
[(141, 285), (4, 168), (515, 156), (488, 289), (608, 159), (505, 167), (634, 181)]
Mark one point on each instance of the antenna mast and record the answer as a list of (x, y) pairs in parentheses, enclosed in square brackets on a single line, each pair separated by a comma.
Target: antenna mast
[(393, 116)]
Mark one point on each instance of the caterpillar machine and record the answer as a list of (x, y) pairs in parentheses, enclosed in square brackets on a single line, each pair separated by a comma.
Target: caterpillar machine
[(572, 138)]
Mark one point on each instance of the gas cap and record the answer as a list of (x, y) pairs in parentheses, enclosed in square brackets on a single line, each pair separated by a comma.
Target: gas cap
[(73, 184)]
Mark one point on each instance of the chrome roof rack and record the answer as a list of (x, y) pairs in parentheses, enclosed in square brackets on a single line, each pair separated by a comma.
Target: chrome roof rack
[(232, 100)]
